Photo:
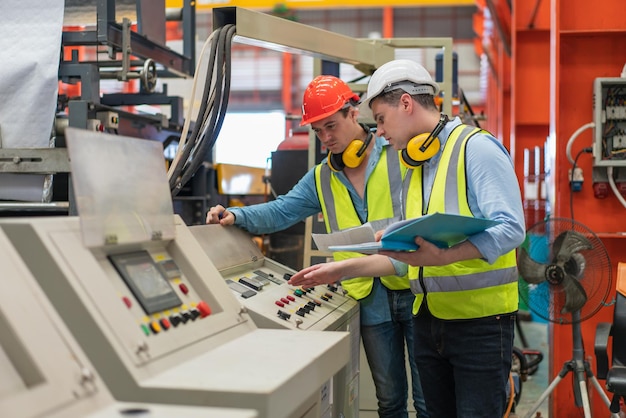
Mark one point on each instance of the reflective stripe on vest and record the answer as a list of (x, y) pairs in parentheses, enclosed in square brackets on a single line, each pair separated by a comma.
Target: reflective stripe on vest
[(383, 190), (466, 289)]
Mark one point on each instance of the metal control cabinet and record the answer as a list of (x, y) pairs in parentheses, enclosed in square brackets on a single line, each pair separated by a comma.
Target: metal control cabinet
[(261, 287)]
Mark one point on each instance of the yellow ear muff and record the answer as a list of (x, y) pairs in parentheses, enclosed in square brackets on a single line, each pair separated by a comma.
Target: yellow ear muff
[(423, 147), (419, 150), (352, 156)]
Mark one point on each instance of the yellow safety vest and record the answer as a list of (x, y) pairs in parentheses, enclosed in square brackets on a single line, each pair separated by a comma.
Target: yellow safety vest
[(382, 190), (466, 289)]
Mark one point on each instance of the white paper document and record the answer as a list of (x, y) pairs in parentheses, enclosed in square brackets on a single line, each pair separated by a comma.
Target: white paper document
[(357, 235)]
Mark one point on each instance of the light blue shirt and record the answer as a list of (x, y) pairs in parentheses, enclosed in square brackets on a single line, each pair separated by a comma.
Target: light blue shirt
[(493, 193), (300, 203)]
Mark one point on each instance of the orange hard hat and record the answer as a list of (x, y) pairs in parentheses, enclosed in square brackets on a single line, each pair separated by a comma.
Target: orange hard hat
[(324, 96)]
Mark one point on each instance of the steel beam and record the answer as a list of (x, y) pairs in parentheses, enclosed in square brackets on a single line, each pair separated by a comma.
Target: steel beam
[(270, 32)]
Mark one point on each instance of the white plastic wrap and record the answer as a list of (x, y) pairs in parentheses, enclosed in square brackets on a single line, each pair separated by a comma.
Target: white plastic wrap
[(30, 44)]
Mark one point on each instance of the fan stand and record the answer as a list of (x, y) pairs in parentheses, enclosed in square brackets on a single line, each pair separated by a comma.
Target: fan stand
[(581, 369)]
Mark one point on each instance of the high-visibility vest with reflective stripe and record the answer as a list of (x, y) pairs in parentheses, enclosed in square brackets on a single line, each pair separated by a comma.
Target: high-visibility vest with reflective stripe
[(466, 289), (383, 190)]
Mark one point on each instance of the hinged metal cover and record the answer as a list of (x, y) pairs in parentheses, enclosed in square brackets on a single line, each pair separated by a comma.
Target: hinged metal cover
[(121, 188)]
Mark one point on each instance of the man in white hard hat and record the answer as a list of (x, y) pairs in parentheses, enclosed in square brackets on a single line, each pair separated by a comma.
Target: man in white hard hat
[(359, 181), (466, 295)]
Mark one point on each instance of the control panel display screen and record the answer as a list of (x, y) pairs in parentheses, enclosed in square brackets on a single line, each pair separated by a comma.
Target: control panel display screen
[(146, 281)]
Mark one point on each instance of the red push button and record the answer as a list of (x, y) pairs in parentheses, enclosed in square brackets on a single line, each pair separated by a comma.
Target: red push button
[(183, 288), (279, 303), (204, 308), (127, 301), (291, 298)]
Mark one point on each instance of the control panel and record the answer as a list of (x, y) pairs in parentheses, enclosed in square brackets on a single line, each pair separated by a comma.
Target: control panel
[(160, 324), (44, 371), (274, 303), (164, 303), (260, 285)]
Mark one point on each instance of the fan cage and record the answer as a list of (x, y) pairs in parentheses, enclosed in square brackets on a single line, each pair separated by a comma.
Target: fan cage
[(546, 300)]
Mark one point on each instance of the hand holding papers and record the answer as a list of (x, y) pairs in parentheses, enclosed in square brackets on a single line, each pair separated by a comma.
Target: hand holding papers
[(357, 235), (443, 230)]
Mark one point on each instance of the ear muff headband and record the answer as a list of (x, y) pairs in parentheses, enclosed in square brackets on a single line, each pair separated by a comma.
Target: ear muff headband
[(423, 147), (353, 155), (335, 162)]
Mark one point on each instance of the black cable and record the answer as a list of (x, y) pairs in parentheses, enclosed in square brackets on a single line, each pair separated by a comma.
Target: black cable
[(212, 128), (212, 110), (468, 107), (571, 179), (193, 137), (531, 24), (224, 93), (209, 118)]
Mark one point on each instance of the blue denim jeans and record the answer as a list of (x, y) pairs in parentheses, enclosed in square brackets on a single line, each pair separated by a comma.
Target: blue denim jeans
[(464, 365), (384, 348)]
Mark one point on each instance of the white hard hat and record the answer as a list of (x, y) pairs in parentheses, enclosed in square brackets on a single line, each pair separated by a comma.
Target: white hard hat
[(402, 74)]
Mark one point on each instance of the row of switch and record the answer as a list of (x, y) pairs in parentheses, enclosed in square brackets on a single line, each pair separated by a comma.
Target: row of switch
[(303, 310), (201, 310), (310, 306), (285, 301)]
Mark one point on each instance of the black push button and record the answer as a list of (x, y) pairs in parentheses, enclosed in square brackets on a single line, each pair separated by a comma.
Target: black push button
[(283, 315), (175, 320)]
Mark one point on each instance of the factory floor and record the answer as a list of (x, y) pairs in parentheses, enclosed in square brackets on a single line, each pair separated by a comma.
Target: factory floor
[(536, 334)]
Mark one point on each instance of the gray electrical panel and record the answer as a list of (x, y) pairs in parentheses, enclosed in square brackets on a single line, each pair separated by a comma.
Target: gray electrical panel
[(609, 115)]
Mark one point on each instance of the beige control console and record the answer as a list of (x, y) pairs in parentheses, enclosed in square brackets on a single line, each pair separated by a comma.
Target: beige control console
[(260, 286), (44, 371), (160, 325)]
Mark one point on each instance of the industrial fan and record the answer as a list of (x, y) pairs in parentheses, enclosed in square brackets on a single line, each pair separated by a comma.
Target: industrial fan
[(565, 278)]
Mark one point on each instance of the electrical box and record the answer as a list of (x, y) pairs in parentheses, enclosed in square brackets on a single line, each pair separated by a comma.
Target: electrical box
[(609, 115)]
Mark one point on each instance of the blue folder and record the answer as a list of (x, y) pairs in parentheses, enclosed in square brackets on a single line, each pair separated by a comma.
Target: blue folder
[(441, 229)]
